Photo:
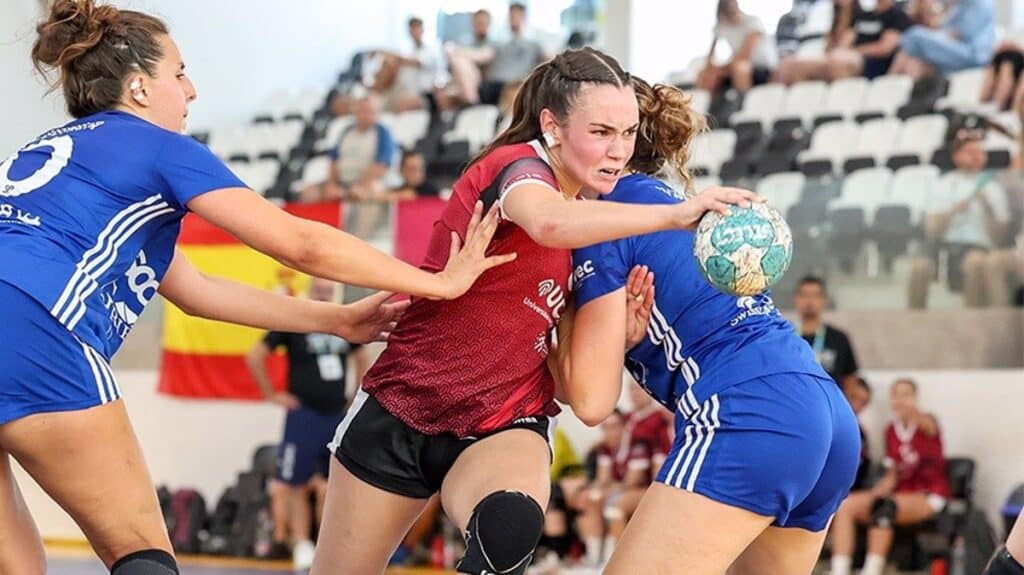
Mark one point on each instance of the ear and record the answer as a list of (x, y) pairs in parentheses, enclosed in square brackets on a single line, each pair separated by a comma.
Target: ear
[(549, 125), (138, 90)]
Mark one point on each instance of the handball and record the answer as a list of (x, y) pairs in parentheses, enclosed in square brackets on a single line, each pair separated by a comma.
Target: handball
[(745, 252)]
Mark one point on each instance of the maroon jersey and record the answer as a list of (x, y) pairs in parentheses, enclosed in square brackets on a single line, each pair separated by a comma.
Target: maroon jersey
[(644, 438), (649, 427), (919, 461), (475, 364), (628, 456)]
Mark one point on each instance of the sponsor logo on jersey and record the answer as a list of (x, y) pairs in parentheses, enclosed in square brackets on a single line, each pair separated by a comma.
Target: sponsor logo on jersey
[(552, 301), (752, 306), (11, 215), (583, 272), (140, 279)]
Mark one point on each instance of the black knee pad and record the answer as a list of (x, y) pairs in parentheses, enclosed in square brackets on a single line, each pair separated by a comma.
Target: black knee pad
[(883, 512), (502, 534), (1004, 564), (146, 562)]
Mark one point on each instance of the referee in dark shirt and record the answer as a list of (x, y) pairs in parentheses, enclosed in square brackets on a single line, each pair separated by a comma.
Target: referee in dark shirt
[(831, 346)]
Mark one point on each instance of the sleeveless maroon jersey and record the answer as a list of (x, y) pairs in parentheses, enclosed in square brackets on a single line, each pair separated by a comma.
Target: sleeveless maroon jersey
[(475, 364), (919, 460)]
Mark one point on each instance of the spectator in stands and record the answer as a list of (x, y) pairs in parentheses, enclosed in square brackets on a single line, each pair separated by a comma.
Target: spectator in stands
[(967, 218), (1004, 268), (414, 179), (1002, 84), (412, 78), (858, 393), (567, 481), (831, 345), (913, 490), (860, 43), (754, 56), (512, 61), (360, 160), (468, 62), (315, 399), (964, 40)]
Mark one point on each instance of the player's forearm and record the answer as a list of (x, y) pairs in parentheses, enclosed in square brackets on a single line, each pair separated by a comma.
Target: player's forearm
[(229, 301), (571, 225), (334, 254)]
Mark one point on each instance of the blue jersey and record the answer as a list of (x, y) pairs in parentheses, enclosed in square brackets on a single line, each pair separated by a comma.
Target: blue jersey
[(700, 341), (89, 215)]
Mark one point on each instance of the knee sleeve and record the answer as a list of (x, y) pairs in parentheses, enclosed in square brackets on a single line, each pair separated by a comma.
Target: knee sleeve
[(883, 511), (146, 562), (502, 534), (1004, 564)]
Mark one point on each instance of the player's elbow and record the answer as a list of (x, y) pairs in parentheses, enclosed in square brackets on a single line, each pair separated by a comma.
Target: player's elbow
[(299, 250), (550, 231), (593, 410)]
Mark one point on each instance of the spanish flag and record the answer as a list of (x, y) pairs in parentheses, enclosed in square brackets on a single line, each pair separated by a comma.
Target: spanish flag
[(205, 358)]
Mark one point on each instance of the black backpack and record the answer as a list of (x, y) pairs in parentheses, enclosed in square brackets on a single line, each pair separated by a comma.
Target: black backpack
[(221, 522), (253, 514), (979, 541), (189, 518)]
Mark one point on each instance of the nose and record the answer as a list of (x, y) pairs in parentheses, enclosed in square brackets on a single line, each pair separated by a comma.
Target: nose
[(190, 90), (620, 149)]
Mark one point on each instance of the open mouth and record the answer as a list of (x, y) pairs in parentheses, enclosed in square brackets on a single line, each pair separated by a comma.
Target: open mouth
[(611, 173)]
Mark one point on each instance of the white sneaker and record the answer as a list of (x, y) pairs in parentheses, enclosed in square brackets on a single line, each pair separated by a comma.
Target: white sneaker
[(302, 554)]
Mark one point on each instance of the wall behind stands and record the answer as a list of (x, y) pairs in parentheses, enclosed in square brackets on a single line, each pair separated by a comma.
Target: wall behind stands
[(237, 54)]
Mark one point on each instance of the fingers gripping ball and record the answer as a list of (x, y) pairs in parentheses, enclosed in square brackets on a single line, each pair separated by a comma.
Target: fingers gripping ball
[(745, 252)]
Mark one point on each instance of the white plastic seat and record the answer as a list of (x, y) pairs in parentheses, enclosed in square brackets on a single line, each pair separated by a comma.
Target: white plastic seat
[(964, 90), (833, 142), (886, 95), (475, 125), (803, 101), (782, 190), (712, 149), (913, 186), (866, 189), (921, 136), (761, 104), (845, 98)]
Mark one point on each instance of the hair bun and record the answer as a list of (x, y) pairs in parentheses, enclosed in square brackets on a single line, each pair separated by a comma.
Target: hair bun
[(72, 28)]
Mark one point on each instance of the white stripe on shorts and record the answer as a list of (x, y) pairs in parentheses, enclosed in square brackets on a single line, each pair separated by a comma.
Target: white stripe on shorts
[(101, 386), (707, 443), (339, 433)]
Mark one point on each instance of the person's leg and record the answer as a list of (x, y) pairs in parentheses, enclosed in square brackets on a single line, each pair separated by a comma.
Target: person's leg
[(911, 509), (741, 72), (617, 516), (424, 524), (988, 85), (855, 510), (781, 551), (590, 524), (278, 491), (1009, 560), (466, 77), (844, 64), (1001, 276), (300, 512), (974, 271), (710, 78), (649, 545), (496, 493), (21, 550), (922, 273), (1005, 85), (319, 485), (362, 525), (101, 481)]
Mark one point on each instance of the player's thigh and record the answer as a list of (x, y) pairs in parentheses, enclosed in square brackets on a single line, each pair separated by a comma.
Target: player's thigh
[(21, 550), (781, 551), (362, 525), (90, 462), (857, 506), (516, 460), (676, 531), (913, 508)]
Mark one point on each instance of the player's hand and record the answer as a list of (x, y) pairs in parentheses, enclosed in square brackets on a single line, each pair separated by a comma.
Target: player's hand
[(639, 301), (467, 260), (369, 319), (713, 199), (285, 400)]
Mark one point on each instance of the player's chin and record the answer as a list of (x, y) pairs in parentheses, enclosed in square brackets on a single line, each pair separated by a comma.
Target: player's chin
[(601, 183)]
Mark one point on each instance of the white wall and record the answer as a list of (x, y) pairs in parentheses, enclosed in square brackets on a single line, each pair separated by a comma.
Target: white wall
[(237, 53), (204, 444)]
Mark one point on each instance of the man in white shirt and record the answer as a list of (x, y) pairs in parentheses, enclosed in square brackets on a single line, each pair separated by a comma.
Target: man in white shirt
[(754, 54), (967, 218)]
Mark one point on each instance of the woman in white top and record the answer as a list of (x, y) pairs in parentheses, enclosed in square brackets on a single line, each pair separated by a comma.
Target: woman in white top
[(754, 56)]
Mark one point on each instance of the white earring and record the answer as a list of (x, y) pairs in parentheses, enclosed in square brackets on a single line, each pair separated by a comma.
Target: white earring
[(549, 139)]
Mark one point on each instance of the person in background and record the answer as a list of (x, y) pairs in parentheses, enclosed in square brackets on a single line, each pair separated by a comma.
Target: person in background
[(414, 179), (315, 399), (858, 393), (965, 39), (754, 56), (831, 345), (913, 489)]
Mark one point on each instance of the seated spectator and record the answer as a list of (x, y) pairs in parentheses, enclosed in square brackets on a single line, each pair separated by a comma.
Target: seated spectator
[(831, 345), (1004, 268), (414, 179), (567, 481), (913, 490), (964, 40), (858, 393), (967, 218), (860, 43), (754, 56), (360, 160), (512, 61), (1002, 84), (469, 62)]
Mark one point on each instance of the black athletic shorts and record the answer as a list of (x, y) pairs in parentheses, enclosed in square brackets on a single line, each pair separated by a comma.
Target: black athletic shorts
[(381, 450), (1014, 57)]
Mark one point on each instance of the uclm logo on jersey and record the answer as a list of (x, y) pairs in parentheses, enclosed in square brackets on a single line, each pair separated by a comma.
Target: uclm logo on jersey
[(552, 301)]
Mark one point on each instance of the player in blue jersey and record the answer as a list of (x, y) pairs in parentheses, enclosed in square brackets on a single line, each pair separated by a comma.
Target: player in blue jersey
[(89, 215), (766, 445)]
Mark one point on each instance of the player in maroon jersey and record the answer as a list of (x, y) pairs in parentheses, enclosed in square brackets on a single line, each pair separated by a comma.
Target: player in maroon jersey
[(460, 401), (913, 489)]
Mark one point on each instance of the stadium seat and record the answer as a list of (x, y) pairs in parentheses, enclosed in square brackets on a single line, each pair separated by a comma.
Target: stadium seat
[(704, 182), (892, 231), (475, 125), (866, 189), (847, 231), (874, 143), (885, 96), (782, 148), (712, 149), (923, 97), (407, 128), (782, 190), (700, 100), (803, 102), (761, 104), (830, 144), (921, 136), (851, 216), (913, 187), (334, 130), (723, 106), (844, 98), (263, 175), (964, 91), (315, 171)]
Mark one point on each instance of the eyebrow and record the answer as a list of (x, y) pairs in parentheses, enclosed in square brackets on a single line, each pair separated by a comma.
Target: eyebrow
[(613, 128)]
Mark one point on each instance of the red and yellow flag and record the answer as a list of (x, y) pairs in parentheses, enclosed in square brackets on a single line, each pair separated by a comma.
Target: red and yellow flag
[(205, 358)]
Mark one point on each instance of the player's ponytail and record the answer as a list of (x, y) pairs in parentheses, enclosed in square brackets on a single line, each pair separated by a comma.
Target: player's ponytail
[(555, 85), (95, 48), (668, 125)]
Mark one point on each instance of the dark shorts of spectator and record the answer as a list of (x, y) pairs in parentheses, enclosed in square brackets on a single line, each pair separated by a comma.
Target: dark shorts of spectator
[(490, 92), (875, 67), (1015, 59), (761, 76)]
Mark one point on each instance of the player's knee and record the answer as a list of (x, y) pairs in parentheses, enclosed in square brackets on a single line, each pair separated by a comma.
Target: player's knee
[(502, 534), (146, 562), (1004, 564), (883, 512)]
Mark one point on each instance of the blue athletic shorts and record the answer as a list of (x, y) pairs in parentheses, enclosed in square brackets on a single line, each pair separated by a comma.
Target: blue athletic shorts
[(785, 446), (303, 451), (43, 366)]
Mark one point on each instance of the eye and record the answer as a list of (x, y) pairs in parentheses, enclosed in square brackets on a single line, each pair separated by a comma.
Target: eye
[(601, 132)]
